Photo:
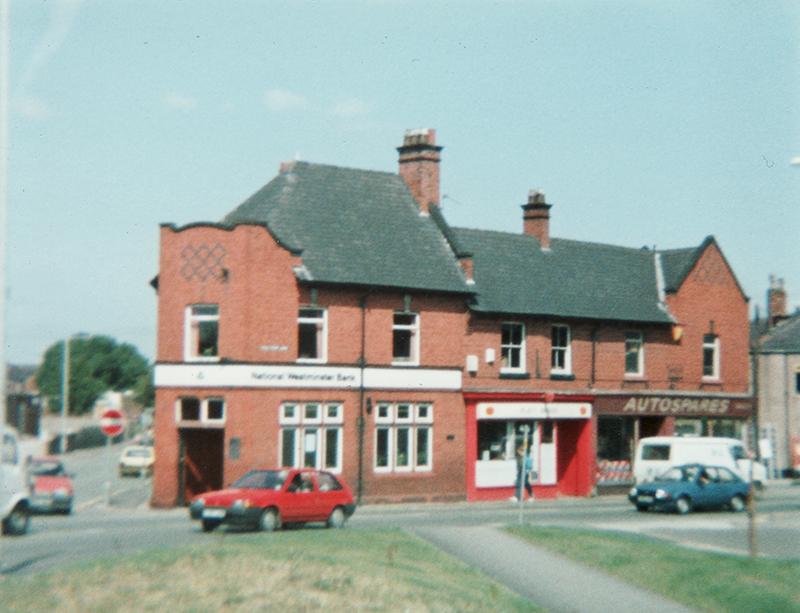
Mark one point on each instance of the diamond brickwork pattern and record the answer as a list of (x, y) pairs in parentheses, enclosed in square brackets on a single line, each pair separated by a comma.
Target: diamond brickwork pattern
[(203, 262)]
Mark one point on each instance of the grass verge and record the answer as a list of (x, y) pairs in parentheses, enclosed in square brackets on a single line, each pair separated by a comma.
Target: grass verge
[(701, 580), (303, 570)]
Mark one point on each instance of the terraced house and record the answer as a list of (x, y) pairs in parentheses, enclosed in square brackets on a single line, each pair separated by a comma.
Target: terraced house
[(335, 319)]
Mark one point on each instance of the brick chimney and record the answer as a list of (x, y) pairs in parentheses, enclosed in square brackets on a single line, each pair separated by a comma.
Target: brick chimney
[(536, 218), (419, 166), (776, 301)]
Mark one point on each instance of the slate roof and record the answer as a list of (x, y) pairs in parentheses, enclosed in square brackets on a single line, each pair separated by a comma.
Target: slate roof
[(783, 338), (363, 228), (677, 263), (354, 227), (573, 280)]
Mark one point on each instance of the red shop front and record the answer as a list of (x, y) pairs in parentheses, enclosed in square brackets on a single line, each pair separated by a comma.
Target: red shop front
[(559, 436)]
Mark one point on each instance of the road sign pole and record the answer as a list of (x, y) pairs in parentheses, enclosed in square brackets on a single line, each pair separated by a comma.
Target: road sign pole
[(522, 474), (109, 461)]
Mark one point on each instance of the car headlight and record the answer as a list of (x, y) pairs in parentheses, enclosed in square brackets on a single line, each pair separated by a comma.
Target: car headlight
[(633, 492), (662, 494), (241, 504), (62, 491)]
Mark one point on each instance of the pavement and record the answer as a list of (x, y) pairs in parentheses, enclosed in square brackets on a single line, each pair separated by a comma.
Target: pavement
[(547, 579)]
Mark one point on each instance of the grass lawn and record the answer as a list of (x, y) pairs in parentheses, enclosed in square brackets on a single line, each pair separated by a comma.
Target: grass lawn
[(288, 571), (701, 580)]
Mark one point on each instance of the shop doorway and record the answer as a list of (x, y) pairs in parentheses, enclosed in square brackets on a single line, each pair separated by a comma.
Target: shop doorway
[(200, 461)]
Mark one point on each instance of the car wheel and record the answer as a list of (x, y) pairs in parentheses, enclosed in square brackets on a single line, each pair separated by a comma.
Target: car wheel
[(683, 505), (269, 520), (336, 518), (16, 524), (208, 525), (641, 508), (737, 504)]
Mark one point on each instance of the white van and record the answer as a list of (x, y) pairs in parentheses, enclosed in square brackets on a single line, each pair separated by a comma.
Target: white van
[(14, 500), (655, 454)]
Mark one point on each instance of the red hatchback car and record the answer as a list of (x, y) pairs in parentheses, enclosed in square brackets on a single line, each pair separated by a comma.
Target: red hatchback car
[(266, 499), (52, 489)]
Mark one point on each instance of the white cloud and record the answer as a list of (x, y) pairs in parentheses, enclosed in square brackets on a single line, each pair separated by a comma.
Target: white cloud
[(351, 107), (180, 102), (31, 107), (62, 16), (283, 100)]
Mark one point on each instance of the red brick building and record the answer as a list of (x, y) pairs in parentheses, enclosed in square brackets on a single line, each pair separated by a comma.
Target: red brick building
[(335, 319)]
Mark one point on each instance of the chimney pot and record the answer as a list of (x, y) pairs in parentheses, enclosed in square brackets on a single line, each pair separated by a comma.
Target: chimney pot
[(419, 166), (776, 301), (536, 218)]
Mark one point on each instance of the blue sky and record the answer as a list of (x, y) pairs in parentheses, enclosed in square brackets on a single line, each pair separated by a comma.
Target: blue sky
[(645, 123)]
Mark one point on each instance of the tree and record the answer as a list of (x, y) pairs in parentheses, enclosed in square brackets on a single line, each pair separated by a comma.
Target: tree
[(96, 364)]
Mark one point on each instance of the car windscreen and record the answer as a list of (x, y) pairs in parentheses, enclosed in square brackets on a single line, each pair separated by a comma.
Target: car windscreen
[(46, 468), (269, 479), (138, 453)]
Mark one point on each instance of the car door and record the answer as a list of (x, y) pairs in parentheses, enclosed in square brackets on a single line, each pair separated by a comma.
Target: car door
[(713, 490), (330, 494), (300, 498)]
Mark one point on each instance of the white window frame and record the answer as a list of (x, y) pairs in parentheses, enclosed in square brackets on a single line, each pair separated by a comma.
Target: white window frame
[(192, 321), (301, 426), (203, 417), (638, 337), (521, 347), (321, 324), (567, 349), (413, 359), (391, 423), (714, 346)]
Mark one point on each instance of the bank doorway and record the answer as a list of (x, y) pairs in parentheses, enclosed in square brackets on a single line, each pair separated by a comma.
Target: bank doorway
[(200, 461)]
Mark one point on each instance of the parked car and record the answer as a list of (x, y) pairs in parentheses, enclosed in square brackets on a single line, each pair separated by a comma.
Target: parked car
[(14, 494), (655, 454), (137, 460), (52, 490), (267, 499), (691, 486)]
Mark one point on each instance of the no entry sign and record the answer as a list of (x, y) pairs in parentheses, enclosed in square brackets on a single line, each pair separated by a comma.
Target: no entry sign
[(112, 422)]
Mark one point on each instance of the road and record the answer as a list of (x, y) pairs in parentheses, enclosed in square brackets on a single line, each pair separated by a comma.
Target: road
[(95, 530)]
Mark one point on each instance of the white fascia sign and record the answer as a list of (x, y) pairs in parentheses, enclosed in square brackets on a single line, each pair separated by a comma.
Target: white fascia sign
[(534, 410), (331, 377)]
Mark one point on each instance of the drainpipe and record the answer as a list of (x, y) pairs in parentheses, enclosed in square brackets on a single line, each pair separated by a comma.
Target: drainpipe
[(361, 396), (787, 415), (594, 356)]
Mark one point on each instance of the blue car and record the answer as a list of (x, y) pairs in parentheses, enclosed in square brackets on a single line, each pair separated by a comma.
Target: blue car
[(691, 486)]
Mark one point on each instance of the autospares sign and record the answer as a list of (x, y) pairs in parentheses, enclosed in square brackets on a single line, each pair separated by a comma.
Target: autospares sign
[(697, 406)]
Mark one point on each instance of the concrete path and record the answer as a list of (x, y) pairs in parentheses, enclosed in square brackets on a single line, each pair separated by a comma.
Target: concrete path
[(549, 580)]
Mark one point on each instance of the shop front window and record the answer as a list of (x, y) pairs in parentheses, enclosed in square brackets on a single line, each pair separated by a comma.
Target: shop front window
[(311, 435), (403, 437)]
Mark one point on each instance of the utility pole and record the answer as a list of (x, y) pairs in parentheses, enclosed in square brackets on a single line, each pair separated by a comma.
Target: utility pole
[(4, 140), (64, 396), (751, 502)]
